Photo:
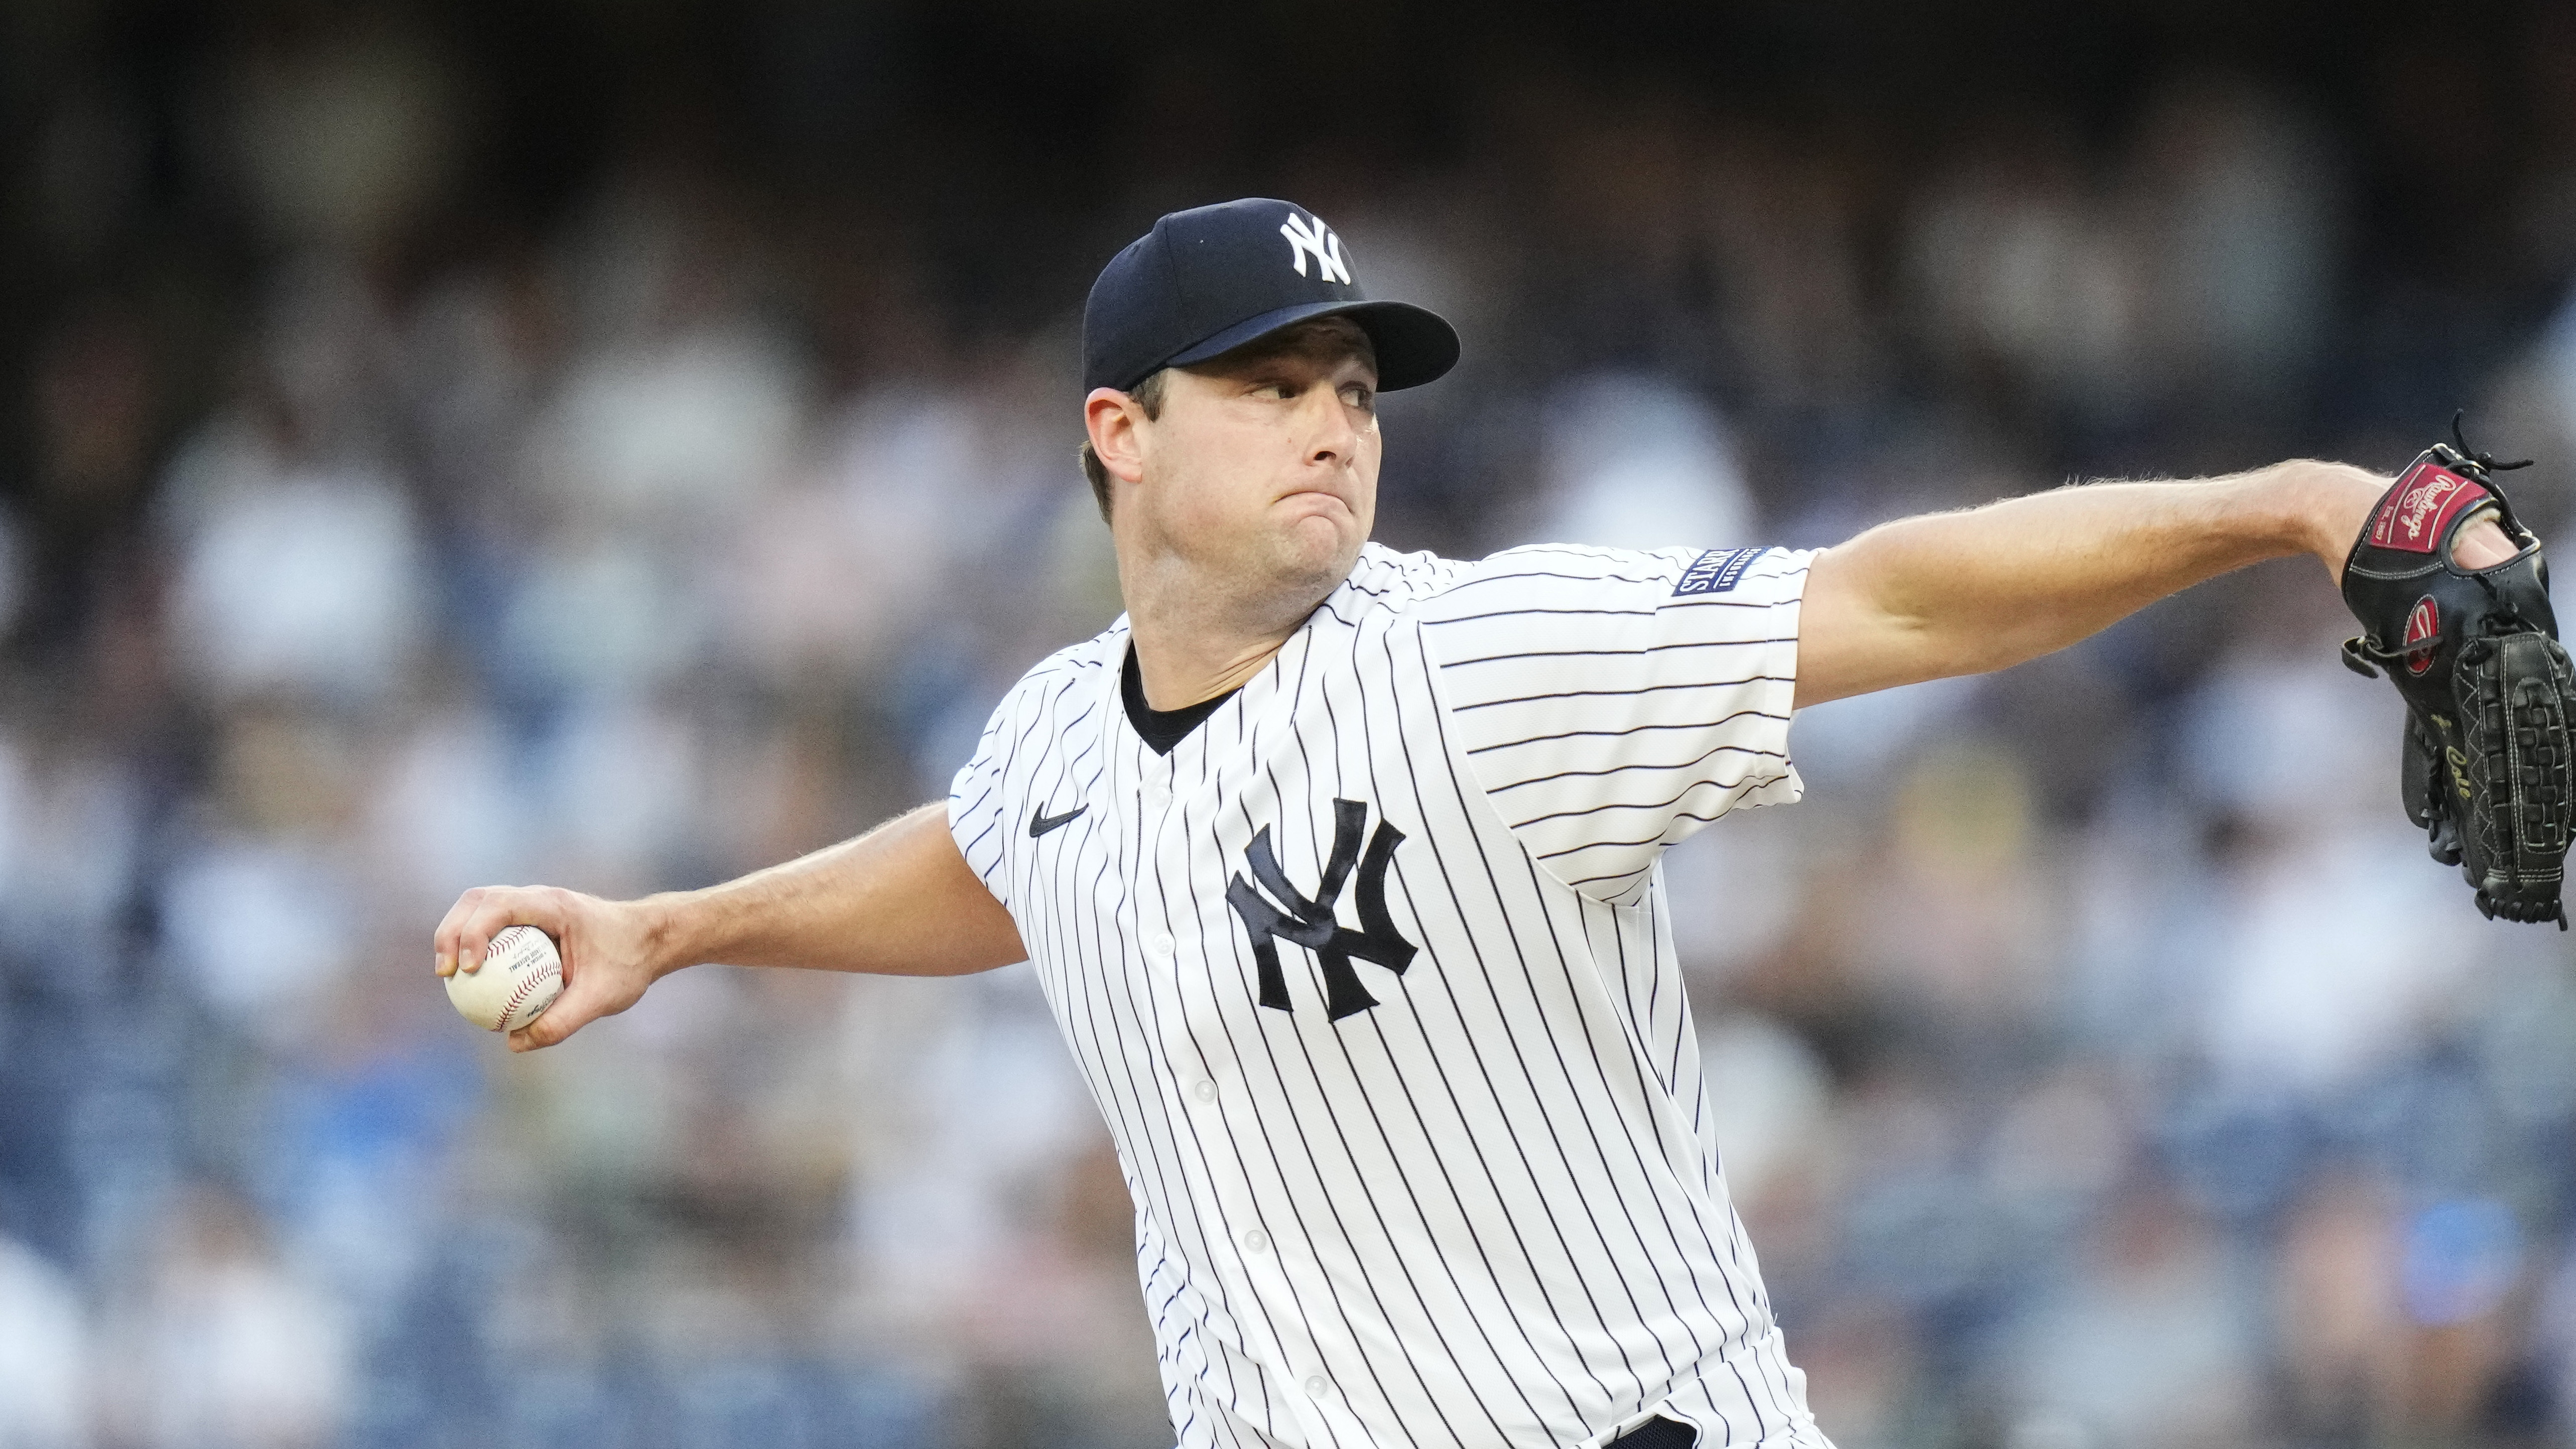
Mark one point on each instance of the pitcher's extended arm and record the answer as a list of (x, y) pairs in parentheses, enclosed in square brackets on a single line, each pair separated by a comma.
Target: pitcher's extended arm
[(898, 900), (1963, 593)]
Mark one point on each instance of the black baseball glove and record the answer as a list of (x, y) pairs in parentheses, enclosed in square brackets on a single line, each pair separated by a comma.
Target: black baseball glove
[(2488, 690)]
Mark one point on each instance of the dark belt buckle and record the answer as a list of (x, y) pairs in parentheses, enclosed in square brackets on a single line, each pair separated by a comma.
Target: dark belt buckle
[(1660, 1434)]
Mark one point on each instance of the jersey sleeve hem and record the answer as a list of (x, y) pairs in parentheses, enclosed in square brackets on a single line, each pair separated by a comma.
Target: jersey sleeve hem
[(986, 793), (1610, 703), (983, 854)]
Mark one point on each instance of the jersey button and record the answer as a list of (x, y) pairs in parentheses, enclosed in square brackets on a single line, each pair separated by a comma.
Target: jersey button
[(1157, 795), (1256, 1241), (1204, 1091), (1162, 943), (1316, 1386)]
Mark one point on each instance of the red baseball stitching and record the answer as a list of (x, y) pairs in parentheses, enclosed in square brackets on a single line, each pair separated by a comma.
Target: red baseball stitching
[(519, 994)]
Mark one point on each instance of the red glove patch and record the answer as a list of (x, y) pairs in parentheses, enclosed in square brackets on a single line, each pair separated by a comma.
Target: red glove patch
[(2421, 505)]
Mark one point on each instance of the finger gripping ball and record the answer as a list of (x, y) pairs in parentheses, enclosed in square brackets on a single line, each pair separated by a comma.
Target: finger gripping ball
[(520, 977)]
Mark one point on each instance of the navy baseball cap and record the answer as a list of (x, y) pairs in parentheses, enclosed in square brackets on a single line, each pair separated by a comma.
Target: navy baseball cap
[(1208, 280)]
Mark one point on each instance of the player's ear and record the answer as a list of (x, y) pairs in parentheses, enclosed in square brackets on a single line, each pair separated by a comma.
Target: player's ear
[(1112, 419)]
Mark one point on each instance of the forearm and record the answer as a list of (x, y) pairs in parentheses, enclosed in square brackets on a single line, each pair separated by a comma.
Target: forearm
[(898, 900), (2016, 579), (1962, 593)]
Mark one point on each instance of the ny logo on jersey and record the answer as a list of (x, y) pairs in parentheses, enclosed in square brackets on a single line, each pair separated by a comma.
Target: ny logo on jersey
[(1311, 923), (1314, 237)]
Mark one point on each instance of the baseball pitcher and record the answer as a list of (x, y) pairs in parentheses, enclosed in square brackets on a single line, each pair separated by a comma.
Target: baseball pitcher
[(1340, 866)]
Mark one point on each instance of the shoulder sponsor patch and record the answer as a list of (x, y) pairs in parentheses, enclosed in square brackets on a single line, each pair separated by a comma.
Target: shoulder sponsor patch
[(2421, 505), (1717, 571)]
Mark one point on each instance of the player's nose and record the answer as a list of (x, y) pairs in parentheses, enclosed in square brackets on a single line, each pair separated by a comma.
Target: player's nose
[(1332, 436)]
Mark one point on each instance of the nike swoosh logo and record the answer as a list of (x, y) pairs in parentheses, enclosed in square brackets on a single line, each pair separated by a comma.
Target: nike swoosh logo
[(1041, 822)]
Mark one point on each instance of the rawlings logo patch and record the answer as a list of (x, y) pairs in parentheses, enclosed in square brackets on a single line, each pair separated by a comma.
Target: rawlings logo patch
[(2423, 626), (2421, 505), (1717, 571)]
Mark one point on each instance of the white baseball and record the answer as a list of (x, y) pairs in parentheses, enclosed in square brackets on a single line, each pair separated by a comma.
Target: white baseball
[(520, 977)]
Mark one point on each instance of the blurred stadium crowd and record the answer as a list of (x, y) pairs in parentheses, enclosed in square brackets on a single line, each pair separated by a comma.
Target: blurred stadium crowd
[(624, 446)]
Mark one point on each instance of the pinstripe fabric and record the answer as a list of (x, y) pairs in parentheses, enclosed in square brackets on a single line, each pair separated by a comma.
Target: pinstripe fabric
[(1608, 718), (1486, 1210)]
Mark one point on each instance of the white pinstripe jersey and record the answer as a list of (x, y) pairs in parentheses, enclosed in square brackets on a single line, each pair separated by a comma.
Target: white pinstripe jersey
[(1372, 979)]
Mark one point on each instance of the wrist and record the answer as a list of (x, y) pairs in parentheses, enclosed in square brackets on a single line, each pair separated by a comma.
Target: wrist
[(668, 921), (2323, 507)]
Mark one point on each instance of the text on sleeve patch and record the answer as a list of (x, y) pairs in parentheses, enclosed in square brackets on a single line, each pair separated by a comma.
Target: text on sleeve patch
[(1717, 571)]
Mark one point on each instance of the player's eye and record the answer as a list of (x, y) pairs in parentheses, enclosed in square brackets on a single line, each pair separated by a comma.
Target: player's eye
[(1360, 395)]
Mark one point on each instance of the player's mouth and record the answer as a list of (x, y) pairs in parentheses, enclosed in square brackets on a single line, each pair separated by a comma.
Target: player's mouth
[(1296, 495)]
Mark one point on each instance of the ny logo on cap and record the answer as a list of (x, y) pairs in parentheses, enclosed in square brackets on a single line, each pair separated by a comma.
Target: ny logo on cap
[(1313, 236)]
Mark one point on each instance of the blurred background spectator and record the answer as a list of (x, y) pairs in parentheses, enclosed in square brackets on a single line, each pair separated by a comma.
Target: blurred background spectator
[(623, 445)]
